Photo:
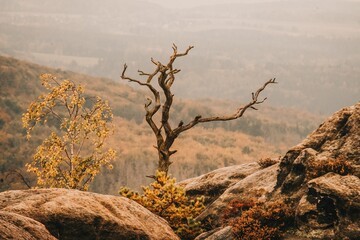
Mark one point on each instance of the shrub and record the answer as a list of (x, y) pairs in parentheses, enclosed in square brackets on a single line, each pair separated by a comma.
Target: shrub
[(267, 162), (261, 221), (236, 207), (339, 165), (168, 200)]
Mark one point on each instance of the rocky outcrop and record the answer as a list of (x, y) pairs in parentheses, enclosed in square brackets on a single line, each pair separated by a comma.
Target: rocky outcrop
[(331, 207), (337, 137), (15, 226), (72, 214), (255, 186), (213, 184), (326, 205)]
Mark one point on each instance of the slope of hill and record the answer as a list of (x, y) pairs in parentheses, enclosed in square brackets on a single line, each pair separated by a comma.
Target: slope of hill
[(264, 133)]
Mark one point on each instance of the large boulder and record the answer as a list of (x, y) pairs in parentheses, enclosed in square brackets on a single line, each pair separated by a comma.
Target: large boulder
[(213, 184), (15, 226), (331, 207), (72, 214), (338, 137), (327, 206), (255, 186)]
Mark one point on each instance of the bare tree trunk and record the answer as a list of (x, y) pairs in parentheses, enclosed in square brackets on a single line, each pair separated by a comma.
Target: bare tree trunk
[(164, 133), (164, 160)]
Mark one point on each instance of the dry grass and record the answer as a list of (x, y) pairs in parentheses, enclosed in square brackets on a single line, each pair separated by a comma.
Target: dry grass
[(267, 162)]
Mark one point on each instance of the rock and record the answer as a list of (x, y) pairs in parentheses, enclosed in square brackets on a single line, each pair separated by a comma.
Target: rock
[(217, 234), (256, 185), (211, 185), (15, 226), (326, 205), (331, 207), (72, 214), (337, 137)]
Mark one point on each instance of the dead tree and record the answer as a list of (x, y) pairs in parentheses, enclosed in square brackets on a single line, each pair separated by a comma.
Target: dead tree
[(164, 132)]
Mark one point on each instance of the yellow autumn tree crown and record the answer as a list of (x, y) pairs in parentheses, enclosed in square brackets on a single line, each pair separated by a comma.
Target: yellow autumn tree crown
[(73, 153)]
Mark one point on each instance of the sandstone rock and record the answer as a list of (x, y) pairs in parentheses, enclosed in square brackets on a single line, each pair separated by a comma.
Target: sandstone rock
[(72, 214), (331, 207), (256, 185), (324, 202), (217, 234), (15, 226), (337, 137), (211, 185)]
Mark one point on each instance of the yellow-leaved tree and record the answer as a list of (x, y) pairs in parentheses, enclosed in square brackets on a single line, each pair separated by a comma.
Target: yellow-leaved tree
[(74, 152), (169, 201)]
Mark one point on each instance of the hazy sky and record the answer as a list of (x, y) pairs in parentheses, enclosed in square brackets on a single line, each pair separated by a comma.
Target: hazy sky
[(311, 47)]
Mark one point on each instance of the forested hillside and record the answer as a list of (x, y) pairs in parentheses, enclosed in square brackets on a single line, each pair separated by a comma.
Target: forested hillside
[(259, 134)]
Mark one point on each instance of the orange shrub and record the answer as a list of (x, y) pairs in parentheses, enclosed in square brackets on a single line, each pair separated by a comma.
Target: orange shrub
[(236, 207), (261, 221), (339, 165)]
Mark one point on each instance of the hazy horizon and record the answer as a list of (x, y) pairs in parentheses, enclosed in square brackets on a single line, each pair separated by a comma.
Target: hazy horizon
[(311, 47)]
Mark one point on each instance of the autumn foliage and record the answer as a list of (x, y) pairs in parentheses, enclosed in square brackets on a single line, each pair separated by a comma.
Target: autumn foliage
[(236, 207), (337, 165), (169, 201), (74, 152), (254, 221)]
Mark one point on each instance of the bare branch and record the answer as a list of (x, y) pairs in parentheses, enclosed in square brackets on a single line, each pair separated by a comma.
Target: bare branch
[(185, 53), (174, 47), (151, 176), (141, 73), (150, 75), (172, 152), (148, 103), (239, 113), (22, 178), (157, 63), (149, 112)]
